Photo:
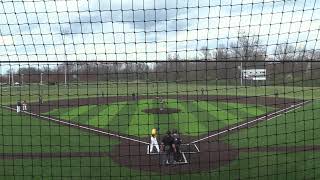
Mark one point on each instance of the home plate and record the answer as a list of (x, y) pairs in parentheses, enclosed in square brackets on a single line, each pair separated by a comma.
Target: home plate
[(184, 160), (184, 148)]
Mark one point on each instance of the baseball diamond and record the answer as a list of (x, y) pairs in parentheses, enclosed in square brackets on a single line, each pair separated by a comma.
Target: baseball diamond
[(198, 155), (159, 89)]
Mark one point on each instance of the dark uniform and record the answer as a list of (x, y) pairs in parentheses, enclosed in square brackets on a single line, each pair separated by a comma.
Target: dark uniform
[(177, 142), (276, 93), (167, 146), (202, 91), (40, 100)]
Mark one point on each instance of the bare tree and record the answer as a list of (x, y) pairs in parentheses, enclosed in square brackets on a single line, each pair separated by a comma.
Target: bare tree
[(207, 55), (284, 52)]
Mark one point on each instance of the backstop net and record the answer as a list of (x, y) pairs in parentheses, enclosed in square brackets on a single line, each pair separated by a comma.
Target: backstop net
[(179, 89)]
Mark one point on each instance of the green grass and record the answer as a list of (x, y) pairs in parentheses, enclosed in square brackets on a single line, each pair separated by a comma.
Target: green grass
[(9, 95), (22, 133), (26, 134), (270, 165), (64, 168), (195, 117), (299, 127)]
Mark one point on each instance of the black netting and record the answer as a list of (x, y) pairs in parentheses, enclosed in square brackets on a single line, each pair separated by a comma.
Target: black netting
[(107, 89)]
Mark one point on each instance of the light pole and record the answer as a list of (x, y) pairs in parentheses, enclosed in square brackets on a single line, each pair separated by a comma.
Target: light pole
[(41, 78), (65, 74), (240, 68), (12, 81), (22, 79), (241, 76), (64, 32)]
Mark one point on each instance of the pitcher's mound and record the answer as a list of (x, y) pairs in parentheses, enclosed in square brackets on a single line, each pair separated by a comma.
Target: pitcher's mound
[(161, 111)]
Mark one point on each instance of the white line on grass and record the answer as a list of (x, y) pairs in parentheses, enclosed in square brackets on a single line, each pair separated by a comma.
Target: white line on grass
[(79, 126), (282, 111)]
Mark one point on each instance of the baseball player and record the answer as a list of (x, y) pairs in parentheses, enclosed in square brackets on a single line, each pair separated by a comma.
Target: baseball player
[(202, 91), (40, 99), (24, 105), (161, 104), (153, 141), (168, 146), (177, 142), (18, 106)]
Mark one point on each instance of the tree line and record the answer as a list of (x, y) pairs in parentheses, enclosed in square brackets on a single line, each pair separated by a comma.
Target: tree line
[(286, 65)]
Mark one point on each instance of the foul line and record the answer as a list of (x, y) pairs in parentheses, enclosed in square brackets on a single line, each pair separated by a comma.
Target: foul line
[(197, 147), (285, 110), (79, 126)]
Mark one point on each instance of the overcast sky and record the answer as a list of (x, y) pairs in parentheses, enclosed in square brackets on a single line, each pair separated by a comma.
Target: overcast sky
[(148, 29)]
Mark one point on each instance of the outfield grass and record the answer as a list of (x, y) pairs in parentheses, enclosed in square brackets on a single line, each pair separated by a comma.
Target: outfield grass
[(22, 133), (9, 95), (195, 117), (299, 127)]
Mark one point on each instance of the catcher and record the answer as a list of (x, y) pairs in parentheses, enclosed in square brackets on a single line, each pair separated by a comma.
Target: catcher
[(153, 141)]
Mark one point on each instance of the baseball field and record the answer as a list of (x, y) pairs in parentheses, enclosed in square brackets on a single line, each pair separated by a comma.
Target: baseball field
[(102, 131)]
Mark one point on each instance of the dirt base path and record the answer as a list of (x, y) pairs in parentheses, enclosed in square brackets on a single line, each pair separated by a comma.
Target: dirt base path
[(52, 155), (265, 101), (133, 155)]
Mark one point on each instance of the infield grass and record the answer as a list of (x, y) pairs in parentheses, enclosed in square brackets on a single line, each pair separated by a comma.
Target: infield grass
[(195, 117)]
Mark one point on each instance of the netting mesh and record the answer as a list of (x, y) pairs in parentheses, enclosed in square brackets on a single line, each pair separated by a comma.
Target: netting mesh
[(123, 89)]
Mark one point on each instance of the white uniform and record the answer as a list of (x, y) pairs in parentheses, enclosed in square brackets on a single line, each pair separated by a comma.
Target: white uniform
[(154, 143), (18, 108), (24, 106)]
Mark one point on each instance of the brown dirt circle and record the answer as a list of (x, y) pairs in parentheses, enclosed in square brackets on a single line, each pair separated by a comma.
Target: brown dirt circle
[(161, 111), (211, 156), (213, 153)]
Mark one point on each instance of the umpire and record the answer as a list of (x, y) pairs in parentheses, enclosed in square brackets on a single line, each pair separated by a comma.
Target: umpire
[(168, 146), (177, 142)]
